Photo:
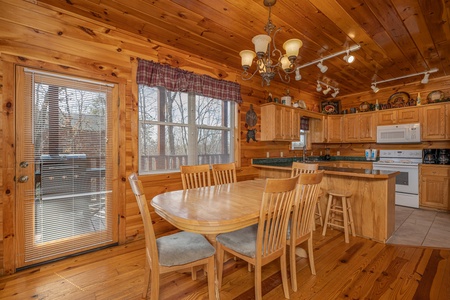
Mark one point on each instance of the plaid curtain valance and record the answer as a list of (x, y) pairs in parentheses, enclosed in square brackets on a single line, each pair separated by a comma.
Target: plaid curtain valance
[(175, 79)]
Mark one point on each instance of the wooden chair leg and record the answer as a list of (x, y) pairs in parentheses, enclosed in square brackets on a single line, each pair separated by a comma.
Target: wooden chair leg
[(293, 265), (311, 255), (258, 283), (344, 209), (219, 267), (327, 214), (211, 279), (284, 277)]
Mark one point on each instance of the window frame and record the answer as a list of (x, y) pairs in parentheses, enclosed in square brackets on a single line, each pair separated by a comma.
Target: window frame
[(192, 127)]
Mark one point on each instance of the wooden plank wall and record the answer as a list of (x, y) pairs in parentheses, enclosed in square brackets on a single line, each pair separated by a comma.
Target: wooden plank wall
[(45, 38)]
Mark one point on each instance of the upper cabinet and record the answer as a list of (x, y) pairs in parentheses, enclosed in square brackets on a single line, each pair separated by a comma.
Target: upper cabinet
[(398, 116), (434, 122), (282, 123), (447, 120), (360, 127), (318, 130), (335, 130)]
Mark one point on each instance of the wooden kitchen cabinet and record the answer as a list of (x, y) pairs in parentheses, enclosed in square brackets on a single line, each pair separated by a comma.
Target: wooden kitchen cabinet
[(318, 130), (335, 129), (434, 122), (434, 186), (447, 121), (359, 127), (276, 123), (399, 116)]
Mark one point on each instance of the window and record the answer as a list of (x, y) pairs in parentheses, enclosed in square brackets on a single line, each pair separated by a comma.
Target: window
[(302, 142), (178, 128)]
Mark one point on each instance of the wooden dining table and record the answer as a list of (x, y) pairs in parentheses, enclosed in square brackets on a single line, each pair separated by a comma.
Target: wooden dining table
[(212, 210)]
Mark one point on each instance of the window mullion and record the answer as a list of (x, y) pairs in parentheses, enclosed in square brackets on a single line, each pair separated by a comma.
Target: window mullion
[(192, 131)]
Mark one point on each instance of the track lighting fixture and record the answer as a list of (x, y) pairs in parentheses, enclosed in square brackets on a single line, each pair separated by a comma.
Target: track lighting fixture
[(322, 67), (374, 88), (322, 59), (336, 92), (298, 76), (348, 57), (425, 78), (319, 87), (327, 90), (423, 81)]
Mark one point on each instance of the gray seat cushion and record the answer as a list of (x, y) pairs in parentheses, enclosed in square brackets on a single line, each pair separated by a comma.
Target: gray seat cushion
[(183, 247), (242, 240)]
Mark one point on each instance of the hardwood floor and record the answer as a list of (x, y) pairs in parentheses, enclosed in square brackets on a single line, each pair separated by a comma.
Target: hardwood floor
[(360, 269)]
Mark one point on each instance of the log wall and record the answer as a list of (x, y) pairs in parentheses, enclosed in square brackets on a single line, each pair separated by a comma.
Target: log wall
[(49, 39)]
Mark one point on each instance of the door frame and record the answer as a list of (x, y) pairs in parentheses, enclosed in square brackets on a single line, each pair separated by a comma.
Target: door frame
[(9, 210)]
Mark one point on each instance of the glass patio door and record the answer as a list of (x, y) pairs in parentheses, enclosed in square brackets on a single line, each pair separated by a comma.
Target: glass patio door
[(64, 164)]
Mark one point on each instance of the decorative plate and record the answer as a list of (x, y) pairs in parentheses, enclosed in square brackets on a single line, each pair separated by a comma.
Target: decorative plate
[(398, 99), (302, 104), (435, 96), (329, 109), (363, 107)]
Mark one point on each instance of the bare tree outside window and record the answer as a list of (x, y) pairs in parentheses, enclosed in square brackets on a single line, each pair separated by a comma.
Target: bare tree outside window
[(178, 128)]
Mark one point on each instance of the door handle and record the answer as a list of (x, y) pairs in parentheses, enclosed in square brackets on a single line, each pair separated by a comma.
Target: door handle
[(23, 164), (23, 179)]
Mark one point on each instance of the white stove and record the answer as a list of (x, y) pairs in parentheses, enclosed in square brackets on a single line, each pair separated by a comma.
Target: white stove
[(407, 182)]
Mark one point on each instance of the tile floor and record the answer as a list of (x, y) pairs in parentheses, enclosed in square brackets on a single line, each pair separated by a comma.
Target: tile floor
[(419, 227)]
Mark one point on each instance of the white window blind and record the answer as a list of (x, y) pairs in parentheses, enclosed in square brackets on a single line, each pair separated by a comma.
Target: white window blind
[(68, 207)]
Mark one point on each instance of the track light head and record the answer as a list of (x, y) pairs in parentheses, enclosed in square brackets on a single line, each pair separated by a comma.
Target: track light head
[(349, 58), (327, 90), (374, 88), (322, 67), (298, 76), (425, 78), (319, 87), (336, 92)]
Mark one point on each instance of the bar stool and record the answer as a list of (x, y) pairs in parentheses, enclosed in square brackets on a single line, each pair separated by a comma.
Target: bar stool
[(344, 209)]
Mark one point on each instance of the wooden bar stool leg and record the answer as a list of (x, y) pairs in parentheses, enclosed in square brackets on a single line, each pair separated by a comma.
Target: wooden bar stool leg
[(344, 212), (350, 216), (327, 214)]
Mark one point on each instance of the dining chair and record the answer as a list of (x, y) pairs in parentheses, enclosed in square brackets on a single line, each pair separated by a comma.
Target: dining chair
[(195, 176), (300, 168), (170, 253), (301, 226), (265, 241), (224, 173)]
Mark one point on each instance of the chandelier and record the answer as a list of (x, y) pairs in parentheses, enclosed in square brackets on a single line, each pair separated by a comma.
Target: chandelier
[(283, 65)]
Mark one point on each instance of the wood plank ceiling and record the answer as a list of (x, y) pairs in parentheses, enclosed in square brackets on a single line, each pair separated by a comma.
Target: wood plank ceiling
[(397, 37)]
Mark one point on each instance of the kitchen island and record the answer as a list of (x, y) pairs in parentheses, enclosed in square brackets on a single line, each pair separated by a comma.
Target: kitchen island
[(373, 200)]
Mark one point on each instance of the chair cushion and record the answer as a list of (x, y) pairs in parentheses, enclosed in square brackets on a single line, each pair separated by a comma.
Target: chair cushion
[(182, 248), (242, 240)]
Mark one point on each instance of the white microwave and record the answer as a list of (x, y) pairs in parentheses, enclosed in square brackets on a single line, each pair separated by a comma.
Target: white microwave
[(398, 134)]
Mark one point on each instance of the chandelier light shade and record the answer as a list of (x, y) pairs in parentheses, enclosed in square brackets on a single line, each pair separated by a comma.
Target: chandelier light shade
[(261, 42), (269, 59), (247, 57), (292, 47)]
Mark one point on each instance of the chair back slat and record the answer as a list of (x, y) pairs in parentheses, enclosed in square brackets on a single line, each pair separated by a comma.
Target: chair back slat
[(224, 173), (275, 211), (300, 168), (306, 196), (195, 176)]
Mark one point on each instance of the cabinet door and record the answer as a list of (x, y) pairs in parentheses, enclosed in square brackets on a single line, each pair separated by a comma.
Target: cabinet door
[(317, 129), (367, 131), (335, 125), (434, 187), (433, 123), (387, 117), (351, 128), (447, 120), (408, 115), (295, 129)]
